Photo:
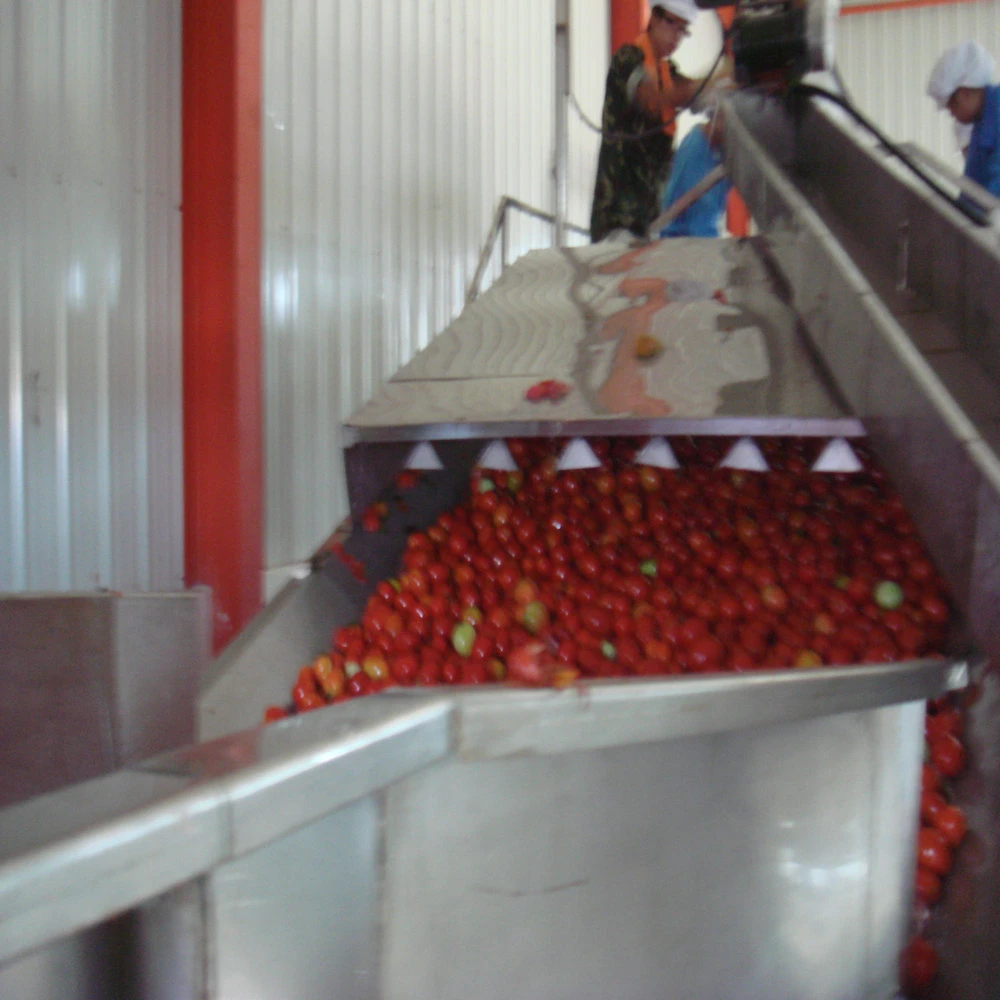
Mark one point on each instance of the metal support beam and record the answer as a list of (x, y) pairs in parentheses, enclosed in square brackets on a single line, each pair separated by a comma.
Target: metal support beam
[(223, 484), (628, 19)]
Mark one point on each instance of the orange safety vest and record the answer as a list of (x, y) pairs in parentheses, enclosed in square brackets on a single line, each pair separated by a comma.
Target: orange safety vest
[(659, 69)]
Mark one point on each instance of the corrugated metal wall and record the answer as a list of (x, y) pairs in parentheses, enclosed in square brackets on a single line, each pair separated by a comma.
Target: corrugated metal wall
[(886, 57), (90, 459), (391, 130)]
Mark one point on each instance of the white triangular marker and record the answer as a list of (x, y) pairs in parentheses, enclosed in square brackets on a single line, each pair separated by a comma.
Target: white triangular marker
[(496, 455), (837, 456), (424, 458), (746, 456), (578, 455), (657, 453)]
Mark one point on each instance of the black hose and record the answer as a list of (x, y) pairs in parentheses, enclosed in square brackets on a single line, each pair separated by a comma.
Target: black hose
[(972, 211)]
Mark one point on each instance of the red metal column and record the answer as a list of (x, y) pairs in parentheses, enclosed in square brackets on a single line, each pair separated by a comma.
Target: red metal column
[(221, 108), (628, 19)]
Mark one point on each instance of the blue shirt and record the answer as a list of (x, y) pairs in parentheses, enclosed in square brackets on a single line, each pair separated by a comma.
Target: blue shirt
[(982, 163), (693, 160)]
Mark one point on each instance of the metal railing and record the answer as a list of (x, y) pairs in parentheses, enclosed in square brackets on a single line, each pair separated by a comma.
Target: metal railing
[(499, 230)]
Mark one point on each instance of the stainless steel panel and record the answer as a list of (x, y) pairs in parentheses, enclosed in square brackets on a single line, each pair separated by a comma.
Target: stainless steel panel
[(299, 919), (170, 945), (371, 467), (278, 778), (288, 791), (550, 316), (878, 210), (938, 266), (70, 859), (91, 682), (930, 335), (91, 965), (73, 858), (969, 385), (57, 718), (726, 426), (259, 666), (512, 723), (982, 317), (950, 479), (925, 456), (162, 646), (759, 863)]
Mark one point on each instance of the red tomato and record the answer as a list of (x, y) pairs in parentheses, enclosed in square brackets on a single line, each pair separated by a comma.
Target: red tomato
[(404, 669), (273, 713), (933, 851), (474, 672), (947, 755), (524, 664), (930, 779), (947, 720), (935, 609), (931, 803), (951, 822), (428, 675), (928, 886), (918, 965), (360, 684), (706, 652)]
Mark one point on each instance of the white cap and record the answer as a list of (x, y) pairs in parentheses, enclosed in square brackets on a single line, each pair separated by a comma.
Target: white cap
[(687, 10), (964, 65)]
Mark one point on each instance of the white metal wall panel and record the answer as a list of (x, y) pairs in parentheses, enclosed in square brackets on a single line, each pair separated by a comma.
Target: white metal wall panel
[(886, 57), (90, 460), (391, 130)]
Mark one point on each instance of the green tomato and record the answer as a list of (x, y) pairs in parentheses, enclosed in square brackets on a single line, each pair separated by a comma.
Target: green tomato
[(888, 595), (608, 649), (535, 617), (648, 568), (485, 485), (463, 635)]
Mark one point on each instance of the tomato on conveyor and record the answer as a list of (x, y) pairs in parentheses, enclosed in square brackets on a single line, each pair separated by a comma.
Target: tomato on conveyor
[(547, 578)]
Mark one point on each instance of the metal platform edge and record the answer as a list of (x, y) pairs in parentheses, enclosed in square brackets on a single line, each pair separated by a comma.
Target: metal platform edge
[(73, 858)]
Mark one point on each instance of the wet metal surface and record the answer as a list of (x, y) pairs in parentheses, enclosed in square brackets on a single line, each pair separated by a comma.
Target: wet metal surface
[(728, 347)]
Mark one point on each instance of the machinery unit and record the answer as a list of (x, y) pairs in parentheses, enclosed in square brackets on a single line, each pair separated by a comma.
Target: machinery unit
[(697, 836), (779, 41)]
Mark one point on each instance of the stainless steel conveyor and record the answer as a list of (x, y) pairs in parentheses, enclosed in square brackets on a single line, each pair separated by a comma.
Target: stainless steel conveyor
[(702, 837)]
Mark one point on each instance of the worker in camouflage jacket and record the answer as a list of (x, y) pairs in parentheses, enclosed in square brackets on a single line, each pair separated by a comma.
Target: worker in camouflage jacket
[(641, 99)]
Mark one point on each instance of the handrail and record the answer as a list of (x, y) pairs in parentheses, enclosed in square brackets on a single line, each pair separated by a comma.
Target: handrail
[(500, 226), (686, 200), (73, 858)]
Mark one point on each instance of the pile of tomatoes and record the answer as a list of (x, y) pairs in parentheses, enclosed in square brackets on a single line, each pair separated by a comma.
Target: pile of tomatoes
[(943, 827), (544, 577)]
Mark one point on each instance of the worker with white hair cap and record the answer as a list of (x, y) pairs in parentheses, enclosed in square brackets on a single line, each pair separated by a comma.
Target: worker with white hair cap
[(962, 82), (643, 94)]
